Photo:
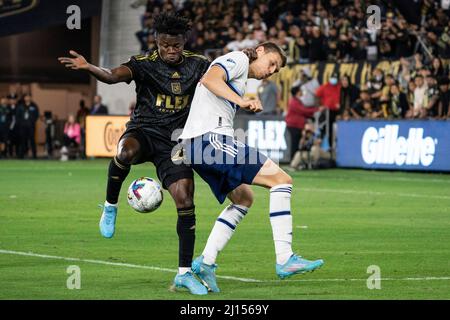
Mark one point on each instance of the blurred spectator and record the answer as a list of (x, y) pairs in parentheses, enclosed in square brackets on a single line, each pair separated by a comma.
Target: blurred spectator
[(82, 113), (236, 44), (437, 68), (308, 88), (332, 44), (14, 116), (30, 117), (303, 48), (376, 87), (348, 96), (362, 108), (144, 34), (410, 96), (404, 76), (296, 117), (420, 98), (49, 132), (72, 137), (384, 98), (269, 95), (432, 96), (3, 126), (98, 108), (310, 152), (444, 42), (316, 45), (444, 99), (398, 104), (330, 95)]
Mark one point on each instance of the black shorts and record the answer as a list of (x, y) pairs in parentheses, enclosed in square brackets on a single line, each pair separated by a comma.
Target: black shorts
[(3, 134), (158, 149)]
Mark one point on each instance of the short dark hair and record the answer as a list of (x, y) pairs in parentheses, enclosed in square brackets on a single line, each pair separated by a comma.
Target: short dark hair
[(172, 24), (295, 90), (272, 47)]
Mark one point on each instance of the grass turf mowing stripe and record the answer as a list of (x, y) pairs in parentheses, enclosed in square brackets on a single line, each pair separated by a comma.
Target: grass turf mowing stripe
[(376, 193)]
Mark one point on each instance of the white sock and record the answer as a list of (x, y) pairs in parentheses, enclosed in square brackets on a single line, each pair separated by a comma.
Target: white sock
[(110, 204), (183, 270), (223, 231), (281, 221)]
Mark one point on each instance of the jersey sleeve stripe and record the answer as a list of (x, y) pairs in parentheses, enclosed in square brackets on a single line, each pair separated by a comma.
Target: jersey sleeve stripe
[(234, 89), (225, 69)]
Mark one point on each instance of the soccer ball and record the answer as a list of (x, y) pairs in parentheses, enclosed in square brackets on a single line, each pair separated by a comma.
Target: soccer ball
[(145, 195)]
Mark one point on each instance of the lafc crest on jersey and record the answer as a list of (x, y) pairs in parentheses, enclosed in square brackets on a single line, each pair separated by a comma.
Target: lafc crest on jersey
[(176, 88)]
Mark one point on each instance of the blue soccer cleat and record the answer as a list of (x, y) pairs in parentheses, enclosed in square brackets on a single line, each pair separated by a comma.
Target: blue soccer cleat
[(188, 281), (297, 264), (207, 273), (108, 221)]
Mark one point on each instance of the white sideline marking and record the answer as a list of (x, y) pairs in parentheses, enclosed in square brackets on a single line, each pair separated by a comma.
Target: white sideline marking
[(377, 193), (128, 265), (117, 264)]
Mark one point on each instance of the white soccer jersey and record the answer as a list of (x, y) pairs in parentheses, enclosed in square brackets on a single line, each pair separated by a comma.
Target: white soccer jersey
[(210, 113)]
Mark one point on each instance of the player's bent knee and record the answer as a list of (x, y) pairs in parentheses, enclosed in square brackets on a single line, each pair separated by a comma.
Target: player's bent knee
[(246, 202), (127, 155), (288, 179), (242, 196), (281, 178)]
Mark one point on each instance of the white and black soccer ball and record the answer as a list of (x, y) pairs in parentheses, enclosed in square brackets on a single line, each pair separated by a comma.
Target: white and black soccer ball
[(145, 195)]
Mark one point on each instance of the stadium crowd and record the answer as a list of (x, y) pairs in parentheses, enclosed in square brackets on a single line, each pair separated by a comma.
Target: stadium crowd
[(333, 31), (309, 31)]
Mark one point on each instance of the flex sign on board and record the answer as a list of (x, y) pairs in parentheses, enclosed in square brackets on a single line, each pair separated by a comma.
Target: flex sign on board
[(402, 145), (269, 137)]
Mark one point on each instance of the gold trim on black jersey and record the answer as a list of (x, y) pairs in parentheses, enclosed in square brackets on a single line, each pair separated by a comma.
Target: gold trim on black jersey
[(151, 57), (189, 54)]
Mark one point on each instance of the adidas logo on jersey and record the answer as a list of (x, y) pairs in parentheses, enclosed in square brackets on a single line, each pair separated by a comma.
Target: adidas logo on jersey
[(176, 75)]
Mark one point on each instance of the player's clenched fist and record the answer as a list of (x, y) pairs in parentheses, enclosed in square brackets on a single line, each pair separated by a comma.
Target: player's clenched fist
[(252, 105), (77, 62)]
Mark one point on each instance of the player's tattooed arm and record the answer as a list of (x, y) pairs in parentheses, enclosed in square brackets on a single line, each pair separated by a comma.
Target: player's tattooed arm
[(215, 81), (78, 62)]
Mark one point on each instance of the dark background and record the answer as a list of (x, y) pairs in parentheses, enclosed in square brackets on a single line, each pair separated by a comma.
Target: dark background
[(31, 41)]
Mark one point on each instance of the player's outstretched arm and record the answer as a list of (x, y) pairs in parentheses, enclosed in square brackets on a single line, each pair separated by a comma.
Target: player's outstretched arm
[(78, 62), (215, 81)]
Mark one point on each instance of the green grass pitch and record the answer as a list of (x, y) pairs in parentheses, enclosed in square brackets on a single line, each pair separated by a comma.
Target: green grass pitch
[(352, 219)]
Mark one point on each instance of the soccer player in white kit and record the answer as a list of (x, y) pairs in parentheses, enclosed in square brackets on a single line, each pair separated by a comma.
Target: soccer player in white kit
[(229, 166)]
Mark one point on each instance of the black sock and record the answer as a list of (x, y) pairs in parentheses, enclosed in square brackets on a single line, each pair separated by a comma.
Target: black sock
[(186, 236), (117, 174)]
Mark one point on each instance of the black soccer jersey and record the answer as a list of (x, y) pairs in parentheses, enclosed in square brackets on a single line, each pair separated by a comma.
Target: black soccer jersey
[(165, 92)]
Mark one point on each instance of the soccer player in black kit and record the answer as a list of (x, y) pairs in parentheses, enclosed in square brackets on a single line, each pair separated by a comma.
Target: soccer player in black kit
[(165, 79)]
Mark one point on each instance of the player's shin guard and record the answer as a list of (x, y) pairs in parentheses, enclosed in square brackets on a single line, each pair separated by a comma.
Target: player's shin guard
[(186, 236), (223, 231), (117, 174), (281, 221)]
